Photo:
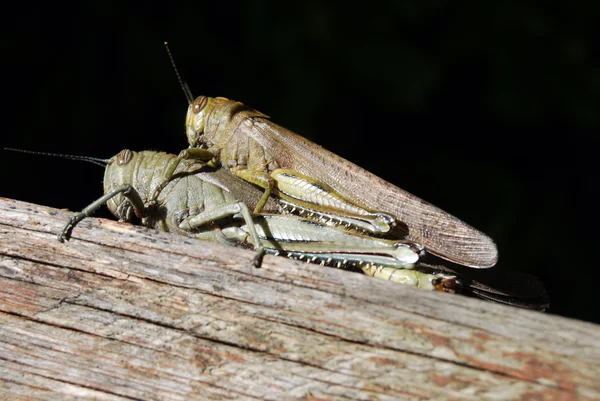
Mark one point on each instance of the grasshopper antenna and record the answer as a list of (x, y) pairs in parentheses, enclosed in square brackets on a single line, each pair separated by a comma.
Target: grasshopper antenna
[(184, 86), (93, 160)]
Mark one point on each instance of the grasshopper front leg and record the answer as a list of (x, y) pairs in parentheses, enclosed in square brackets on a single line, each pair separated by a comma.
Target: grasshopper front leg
[(187, 155), (126, 190), (308, 194), (192, 223), (193, 154)]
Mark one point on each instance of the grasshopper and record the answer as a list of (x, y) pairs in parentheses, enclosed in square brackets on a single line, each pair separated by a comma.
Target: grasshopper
[(263, 153), (213, 206), (307, 176)]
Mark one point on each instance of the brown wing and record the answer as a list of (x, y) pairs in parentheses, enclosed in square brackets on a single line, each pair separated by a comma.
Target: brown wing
[(441, 233)]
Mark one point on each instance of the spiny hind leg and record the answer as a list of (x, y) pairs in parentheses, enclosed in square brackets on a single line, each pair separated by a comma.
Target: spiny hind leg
[(307, 193), (191, 223)]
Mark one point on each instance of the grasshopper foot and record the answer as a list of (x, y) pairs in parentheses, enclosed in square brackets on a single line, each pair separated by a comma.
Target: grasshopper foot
[(62, 237), (65, 234), (258, 258)]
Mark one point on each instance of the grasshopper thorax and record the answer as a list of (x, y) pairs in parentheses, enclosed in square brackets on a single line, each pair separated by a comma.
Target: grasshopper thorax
[(212, 121)]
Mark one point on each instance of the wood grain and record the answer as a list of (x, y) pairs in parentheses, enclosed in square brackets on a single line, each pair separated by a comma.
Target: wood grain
[(122, 312)]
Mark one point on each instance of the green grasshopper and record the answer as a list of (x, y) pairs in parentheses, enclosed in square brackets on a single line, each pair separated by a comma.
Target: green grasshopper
[(305, 175), (213, 206)]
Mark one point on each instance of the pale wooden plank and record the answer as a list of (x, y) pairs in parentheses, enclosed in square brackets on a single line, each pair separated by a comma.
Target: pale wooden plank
[(17, 384), (298, 328)]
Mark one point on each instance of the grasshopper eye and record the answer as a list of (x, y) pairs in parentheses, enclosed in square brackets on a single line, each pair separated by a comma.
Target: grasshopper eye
[(124, 157), (200, 103)]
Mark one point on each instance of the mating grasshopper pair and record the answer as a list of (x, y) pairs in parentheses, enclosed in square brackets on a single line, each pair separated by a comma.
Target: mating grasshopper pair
[(212, 205)]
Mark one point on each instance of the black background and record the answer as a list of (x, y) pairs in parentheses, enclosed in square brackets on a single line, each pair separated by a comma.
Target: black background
[(485, 109)]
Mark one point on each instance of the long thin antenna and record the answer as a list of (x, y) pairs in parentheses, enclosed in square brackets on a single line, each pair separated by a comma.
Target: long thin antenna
[(93, 160), (186, 89)]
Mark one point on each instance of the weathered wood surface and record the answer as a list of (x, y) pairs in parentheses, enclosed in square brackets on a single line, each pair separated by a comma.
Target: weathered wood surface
[(122, 312)]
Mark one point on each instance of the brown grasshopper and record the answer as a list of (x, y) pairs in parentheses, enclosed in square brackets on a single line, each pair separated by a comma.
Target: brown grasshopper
[(304, 174)]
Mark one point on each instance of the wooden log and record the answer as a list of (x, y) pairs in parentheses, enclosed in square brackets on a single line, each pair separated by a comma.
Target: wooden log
[(121, 312)]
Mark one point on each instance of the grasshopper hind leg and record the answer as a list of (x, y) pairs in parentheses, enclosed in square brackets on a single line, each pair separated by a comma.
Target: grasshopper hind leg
[(299, 191)]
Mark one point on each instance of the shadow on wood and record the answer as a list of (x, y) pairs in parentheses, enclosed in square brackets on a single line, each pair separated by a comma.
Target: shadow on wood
[(122, 312)]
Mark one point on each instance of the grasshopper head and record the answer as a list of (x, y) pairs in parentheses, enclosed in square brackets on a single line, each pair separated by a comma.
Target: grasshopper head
[(120, 171), (196, 118)]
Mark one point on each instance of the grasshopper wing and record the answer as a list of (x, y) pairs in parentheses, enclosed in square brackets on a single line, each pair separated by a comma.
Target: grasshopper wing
[(441, 233)]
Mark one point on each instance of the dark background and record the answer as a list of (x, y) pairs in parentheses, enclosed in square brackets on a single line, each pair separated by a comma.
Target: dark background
[(485, 109)]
